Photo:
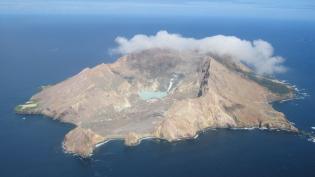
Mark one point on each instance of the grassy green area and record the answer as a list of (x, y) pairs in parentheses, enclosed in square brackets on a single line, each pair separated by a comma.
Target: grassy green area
[(18, 108), (273, 86), (27, 106)]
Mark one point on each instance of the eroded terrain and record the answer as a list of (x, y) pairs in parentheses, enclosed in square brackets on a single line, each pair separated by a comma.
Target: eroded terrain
[(159, 93)]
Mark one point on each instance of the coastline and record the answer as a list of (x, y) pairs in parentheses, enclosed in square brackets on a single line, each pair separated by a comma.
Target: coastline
[(152, 138), (138, 141), (83, 141)]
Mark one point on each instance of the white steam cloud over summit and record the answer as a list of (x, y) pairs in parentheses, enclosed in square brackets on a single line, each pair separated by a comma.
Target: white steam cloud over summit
[(258, 53)]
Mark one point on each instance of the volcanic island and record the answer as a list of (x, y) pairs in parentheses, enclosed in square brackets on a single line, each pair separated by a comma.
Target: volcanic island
[(160, 93)]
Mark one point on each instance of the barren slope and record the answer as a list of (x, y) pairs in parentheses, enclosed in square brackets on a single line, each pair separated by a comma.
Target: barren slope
[(158, 93)]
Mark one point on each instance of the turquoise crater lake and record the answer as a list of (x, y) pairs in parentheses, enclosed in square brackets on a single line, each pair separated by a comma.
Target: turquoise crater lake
[(147, 95)]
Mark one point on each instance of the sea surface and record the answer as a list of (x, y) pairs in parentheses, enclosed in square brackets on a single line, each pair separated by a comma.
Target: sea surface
[(39, 50)]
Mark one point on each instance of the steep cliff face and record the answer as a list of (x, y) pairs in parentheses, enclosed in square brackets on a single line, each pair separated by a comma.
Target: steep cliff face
[(82, 141), (158, 93)]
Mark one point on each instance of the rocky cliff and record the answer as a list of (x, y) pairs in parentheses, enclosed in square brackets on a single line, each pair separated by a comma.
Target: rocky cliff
[(159, 93)]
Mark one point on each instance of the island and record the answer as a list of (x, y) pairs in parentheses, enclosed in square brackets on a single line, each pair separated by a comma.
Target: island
[(160, 93)]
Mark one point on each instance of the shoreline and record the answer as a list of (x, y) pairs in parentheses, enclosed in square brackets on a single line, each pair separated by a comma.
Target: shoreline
[(285, 126), (23, 113), (152, 138)]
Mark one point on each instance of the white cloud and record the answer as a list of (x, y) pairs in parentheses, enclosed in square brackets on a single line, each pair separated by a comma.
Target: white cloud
[(257, 54)]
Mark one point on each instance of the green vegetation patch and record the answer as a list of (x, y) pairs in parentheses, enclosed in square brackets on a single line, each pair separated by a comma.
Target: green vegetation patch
[(273, 86), (27, 106)]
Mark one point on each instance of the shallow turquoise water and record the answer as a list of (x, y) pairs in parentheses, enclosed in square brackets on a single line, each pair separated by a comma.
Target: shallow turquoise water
[(146, 95)]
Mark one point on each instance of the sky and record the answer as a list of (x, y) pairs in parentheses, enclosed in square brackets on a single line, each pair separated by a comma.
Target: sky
[(282, 9)]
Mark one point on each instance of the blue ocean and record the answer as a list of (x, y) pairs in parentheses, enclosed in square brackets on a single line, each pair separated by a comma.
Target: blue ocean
[(37, 50)]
